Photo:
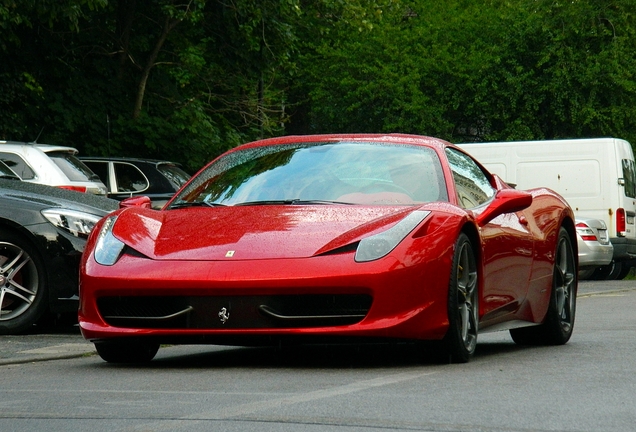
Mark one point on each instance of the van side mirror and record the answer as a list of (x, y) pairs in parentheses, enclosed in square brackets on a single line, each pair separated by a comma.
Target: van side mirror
[(505, 201), (136, 201)]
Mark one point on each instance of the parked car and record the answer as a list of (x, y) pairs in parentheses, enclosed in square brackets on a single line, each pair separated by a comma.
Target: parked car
[(50, 165), (595, 249), (43, 232), (332, 237), (126, 177)]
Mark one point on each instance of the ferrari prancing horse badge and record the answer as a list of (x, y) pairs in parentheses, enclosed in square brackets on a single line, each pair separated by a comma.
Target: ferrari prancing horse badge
[(224, 315)]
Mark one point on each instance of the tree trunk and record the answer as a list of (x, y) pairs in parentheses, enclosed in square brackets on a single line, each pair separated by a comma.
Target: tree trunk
[(150, 63)]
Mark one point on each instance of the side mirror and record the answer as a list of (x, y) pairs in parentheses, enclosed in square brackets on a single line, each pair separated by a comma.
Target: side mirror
[(505, 201), (136, 201)]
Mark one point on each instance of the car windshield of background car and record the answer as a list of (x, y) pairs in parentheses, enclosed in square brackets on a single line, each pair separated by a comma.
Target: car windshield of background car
[(174, 174), (330, 172)]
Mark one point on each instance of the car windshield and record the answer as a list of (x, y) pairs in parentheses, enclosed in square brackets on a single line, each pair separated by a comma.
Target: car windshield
[(342, 172)]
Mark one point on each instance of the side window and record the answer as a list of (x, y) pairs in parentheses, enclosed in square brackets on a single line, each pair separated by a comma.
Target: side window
[(629, 176), (129, 178), (473, 187), (18, 165), (101, 169)]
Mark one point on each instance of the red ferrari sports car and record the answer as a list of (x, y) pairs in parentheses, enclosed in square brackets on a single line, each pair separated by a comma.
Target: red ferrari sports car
[(332, 237)]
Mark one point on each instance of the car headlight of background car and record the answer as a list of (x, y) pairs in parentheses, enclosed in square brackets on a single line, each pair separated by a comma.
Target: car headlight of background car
[(78, 223), (379, 245)]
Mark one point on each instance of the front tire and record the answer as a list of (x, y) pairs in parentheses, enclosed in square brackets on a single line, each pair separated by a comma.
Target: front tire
[(127, 352), (23, 286), (559, 322), (460, 341)]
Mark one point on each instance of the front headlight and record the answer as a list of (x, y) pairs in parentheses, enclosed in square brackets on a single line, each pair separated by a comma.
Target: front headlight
[(379, 245), (77, 223), (108, 248)]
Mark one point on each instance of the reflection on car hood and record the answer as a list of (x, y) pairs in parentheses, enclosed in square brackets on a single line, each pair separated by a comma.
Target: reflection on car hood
[(250, 232)]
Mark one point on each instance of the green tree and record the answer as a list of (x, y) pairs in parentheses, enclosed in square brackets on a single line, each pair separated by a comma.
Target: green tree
[(159, 78), (487, 70)]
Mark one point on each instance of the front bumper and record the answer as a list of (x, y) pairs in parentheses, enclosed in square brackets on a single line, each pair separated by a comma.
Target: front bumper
[(221, 301)]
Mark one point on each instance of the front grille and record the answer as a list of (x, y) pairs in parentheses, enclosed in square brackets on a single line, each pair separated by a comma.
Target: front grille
[(235, 312)]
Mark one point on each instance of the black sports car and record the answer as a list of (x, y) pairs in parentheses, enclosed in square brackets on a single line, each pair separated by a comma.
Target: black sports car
[(43, 231)]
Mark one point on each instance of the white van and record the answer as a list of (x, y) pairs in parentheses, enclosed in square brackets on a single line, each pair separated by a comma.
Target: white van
[(596, 176)]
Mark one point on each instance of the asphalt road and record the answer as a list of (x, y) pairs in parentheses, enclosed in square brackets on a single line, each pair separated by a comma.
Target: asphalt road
[(587, 385)]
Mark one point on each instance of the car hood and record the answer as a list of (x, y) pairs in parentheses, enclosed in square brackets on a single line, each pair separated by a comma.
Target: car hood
[(22, 194), (251, 232)]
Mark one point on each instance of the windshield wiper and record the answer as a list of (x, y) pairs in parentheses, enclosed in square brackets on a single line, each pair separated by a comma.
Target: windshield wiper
[(290, 202), (195, 204)]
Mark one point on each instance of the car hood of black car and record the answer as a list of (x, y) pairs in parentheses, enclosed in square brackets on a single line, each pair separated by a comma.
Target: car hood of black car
[(48, 196)]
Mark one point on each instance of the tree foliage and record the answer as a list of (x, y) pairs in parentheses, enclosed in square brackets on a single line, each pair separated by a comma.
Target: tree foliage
[(480, 70), (188, 80)]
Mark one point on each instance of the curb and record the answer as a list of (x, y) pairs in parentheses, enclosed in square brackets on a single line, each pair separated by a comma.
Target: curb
[(53, 352)]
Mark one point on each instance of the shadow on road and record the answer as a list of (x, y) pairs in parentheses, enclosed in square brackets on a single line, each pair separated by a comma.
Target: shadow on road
[(312, 356)]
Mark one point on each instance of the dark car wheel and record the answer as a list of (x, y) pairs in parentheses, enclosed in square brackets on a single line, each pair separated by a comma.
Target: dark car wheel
[(463, 303), (559, 322), (23, 291), (127, 352), (613, 271)]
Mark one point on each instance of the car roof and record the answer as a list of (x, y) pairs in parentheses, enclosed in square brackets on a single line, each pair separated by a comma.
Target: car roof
[(126, 159), (44, 147), (396, 138)]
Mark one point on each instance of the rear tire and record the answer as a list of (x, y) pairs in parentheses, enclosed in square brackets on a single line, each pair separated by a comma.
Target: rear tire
[(612, 271), (23, 284), (559, 322), (625, 270), (127, 352), (463, 304)]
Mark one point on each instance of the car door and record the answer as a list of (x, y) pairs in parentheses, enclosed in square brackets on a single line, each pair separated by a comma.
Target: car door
[(507, 243)]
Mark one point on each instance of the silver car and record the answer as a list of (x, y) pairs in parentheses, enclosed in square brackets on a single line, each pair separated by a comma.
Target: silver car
[(595, 249), (50, 165)]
